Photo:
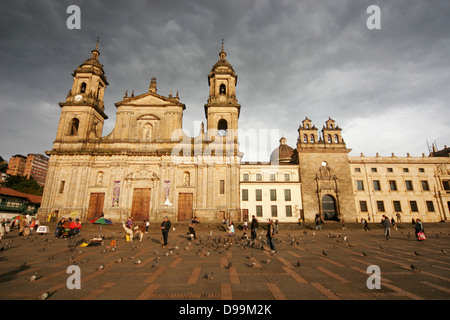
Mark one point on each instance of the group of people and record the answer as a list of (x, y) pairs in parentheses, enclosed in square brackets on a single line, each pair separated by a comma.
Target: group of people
[(387, 224)]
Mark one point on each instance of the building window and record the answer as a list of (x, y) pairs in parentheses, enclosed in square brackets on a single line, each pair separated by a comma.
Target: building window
[(312, 138), (83, 87), (287, 177), (413, 205), (405, 170), (336, 138), (305, 138), (274, 211), (421, 170), (272, 177), (258, 177), (287, 194), (363, 206), (259, 212), (446, 185), (273, 195), (409, 185), (245, 177), (359, 185), (397, 206), (430, 206), (390, 170), (61, 186), (425, 185), (288, 211), (357, 169), (222, 186), (374, 169), (258, 195), (329, 138), (244, 194), (376, 185), (393, 185), (380, 206)]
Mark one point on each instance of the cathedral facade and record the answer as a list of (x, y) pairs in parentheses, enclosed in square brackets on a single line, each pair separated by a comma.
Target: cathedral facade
[(147, 168)]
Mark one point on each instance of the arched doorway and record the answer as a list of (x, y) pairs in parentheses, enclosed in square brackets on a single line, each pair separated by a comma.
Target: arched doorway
[(329, 208)]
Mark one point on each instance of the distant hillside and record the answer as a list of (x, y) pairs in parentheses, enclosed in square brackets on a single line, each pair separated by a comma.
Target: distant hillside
[(3, 165)]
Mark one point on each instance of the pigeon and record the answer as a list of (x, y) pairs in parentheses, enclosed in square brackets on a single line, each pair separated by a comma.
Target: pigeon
[(298, 263), (267, 261), (84, 260), (345, 238), (229, 265), (33, 278), (414, 268), (154, 264), (253, 264), (44, 296), (365, 254), (324, 253), (138, 262), (209, 276), (51, 257), (100, 267), (443, 251), (119, 260), (381, 247), (416, 253)]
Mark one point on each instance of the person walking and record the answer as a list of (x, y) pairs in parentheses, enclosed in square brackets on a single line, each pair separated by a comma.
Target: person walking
[(75, 228), (419, 230), (231, 233), (165, 228), (271, 236), (318, 222), (192, 225), (387, 226), (366, 225), (147, 225), (254, 227)]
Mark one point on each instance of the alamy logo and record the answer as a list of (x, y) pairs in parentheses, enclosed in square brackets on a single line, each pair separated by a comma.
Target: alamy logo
[(74, 20)]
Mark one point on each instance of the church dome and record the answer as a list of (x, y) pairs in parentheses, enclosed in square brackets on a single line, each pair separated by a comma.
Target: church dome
[(283, 153)]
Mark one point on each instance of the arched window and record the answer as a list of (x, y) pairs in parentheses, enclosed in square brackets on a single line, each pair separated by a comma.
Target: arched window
[(83, 87), (312, 138), (73, 128), (222, 127), (305, 138), (329, 138), (222, 89), (336, 138)]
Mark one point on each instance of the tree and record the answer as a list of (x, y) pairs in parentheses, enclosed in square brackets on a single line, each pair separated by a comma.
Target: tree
[(22, 184)]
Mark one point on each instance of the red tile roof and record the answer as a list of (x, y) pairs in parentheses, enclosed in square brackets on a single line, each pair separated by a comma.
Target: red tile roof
[(13, 193)]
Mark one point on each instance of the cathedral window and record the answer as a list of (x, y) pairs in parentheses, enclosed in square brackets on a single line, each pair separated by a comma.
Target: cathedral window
[(312, 138), (74, 125), (329, 138), (305, 138)]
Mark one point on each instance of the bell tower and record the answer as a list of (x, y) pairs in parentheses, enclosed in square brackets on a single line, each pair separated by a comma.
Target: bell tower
[(222, 110), (82, 114)]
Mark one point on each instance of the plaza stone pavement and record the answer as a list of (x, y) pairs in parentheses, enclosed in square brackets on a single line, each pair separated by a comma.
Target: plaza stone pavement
[(333, 265)]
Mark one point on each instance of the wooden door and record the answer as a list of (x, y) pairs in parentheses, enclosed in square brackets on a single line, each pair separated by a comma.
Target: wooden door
[(140, 207), (185, 206), (96, 202)]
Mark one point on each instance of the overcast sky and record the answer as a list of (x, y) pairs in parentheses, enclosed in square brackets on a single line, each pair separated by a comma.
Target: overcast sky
[(388, 89)]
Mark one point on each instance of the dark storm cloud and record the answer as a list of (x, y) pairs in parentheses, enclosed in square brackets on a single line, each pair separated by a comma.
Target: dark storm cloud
[(386, 88)]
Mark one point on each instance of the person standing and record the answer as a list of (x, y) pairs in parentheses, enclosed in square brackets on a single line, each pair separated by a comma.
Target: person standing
[(271, 235), (192, 227), (147, 224), (231, 233), (254, 227), (165, 228), (418, 227), (366, 225), (75, 228)]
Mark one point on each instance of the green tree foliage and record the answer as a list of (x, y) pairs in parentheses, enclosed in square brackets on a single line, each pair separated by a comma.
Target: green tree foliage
[(22, 184)]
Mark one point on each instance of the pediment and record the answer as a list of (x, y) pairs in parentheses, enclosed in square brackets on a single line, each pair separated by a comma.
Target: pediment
[(149, 99)]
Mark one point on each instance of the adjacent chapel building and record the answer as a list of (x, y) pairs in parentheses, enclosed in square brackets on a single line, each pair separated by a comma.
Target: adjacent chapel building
[(148, 168)]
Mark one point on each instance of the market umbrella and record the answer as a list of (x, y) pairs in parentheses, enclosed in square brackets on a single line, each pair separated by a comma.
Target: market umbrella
[(101, 221)]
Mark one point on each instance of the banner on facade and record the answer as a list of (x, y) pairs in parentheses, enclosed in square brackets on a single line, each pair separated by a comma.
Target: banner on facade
[(116, 193), (167, 190)]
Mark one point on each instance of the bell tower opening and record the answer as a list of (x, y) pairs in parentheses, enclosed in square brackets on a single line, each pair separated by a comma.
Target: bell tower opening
[(222, 89), (222, 127)]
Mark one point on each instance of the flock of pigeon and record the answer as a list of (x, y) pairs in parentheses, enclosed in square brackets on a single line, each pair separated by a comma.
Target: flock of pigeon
[(205, 246)]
